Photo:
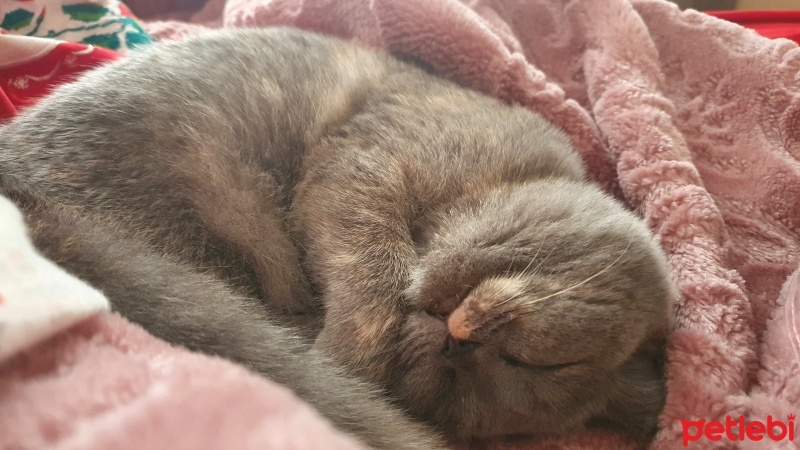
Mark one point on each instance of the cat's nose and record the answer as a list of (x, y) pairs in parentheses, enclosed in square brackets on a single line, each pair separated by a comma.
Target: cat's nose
[(457, 348)]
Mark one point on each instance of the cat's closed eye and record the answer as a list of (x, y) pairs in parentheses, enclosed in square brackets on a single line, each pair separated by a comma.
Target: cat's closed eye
[(515, 362)]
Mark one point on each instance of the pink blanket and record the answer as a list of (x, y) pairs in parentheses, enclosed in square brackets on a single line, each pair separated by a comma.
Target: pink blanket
[(107, 384), (695, 122)]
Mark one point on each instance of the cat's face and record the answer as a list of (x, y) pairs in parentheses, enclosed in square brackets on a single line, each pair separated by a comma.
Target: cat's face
[(534, 310)]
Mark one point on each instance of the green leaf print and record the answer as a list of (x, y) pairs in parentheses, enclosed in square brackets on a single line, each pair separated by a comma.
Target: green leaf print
[(19, 18), (133, 24), (134, 39), (85, 12), (103, 40)]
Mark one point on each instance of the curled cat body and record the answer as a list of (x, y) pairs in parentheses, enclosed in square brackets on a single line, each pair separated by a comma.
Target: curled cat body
[(216, 188)]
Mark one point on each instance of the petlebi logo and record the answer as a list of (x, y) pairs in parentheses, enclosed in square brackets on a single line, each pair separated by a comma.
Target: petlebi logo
[(739, 429)]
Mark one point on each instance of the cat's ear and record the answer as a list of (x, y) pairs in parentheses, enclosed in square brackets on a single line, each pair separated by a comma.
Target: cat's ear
[(639, 394)]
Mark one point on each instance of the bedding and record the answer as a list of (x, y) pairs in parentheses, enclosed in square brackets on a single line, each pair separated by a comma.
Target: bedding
[(692, 120)]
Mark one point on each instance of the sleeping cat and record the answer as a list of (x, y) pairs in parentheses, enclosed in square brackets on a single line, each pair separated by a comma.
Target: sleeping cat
[(219, 189)]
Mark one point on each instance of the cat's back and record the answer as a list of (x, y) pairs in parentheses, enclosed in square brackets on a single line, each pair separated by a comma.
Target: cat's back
[(262, 94)]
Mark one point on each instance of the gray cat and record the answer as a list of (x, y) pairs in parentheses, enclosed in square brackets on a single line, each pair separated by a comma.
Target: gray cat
[(463, 264)]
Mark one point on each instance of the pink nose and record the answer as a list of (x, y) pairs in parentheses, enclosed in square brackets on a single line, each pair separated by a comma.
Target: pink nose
[(457, 324)]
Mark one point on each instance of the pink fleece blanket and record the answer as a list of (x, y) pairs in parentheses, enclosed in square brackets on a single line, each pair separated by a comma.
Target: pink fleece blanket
[(107, 384), (695, 122)]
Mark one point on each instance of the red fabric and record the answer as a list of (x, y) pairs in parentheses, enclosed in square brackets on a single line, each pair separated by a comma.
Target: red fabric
[(22, 85), (771, 24)]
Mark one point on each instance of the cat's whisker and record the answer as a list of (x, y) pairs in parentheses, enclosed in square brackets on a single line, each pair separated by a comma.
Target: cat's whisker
[(520, 276), (510, 299), (581, 283), (530, 263), (507, 272), (550, 253)]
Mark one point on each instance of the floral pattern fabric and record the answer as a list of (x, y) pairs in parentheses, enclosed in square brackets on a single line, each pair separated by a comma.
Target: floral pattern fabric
[(44, 43)]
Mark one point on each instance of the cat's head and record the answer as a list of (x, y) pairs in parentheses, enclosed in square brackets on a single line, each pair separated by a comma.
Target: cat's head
[(539, 308)]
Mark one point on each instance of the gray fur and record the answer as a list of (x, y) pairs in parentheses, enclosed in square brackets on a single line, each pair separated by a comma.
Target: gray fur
[(194, 178)]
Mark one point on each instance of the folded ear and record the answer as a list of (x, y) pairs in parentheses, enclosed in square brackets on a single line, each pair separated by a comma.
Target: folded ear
[(640, 394)]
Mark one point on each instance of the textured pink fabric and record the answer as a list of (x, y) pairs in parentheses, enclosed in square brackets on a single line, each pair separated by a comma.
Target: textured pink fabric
[(695, 122), (777, 390), (107, 384)]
